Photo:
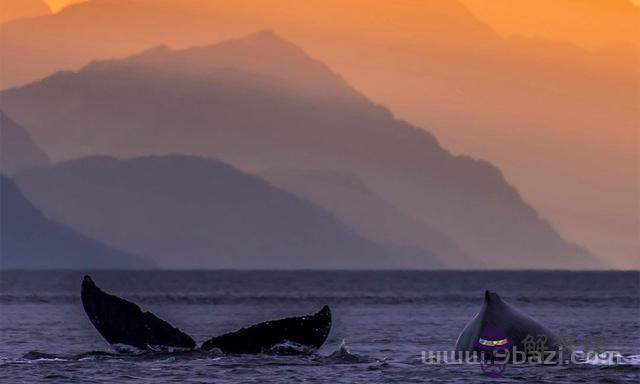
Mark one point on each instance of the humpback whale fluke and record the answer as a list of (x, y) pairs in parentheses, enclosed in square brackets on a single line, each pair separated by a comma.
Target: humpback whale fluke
[(306, 331), (499, 324), (122, 322)]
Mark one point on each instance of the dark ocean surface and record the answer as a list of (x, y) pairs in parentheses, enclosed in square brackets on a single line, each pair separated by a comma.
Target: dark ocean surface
[(383, 321)]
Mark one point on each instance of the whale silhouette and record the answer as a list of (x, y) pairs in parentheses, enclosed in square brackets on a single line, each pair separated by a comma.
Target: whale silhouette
[(499, 326), (122, 322), (306, 331)]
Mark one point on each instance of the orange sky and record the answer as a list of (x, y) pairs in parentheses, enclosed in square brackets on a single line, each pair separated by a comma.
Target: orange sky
[(57, 5), (588, 23)]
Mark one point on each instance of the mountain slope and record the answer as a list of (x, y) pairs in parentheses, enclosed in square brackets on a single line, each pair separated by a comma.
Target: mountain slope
[(347, 197), (29, 240), (156, 103), (187, 212), (113, 28), (17, 149)]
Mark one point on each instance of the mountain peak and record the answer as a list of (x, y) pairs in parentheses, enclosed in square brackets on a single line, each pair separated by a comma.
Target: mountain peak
[(265, 34), (158, 50), (262, 42), (264, 57), (269, 37)]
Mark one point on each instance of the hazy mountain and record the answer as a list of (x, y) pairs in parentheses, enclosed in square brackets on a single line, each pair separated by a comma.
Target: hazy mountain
[(12, 9), (618, 20), (114, 28), (17, 149), (121, 98), (29, 240), (356, 205), (546, 111), (187, 212), (156, 103)]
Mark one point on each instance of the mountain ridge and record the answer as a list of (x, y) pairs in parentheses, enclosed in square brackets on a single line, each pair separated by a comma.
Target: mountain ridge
[(30, 240), (18, 151), (190, 212), (356, 205)]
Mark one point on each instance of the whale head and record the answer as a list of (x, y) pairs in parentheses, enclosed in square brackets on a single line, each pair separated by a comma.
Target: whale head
[(499, 325)]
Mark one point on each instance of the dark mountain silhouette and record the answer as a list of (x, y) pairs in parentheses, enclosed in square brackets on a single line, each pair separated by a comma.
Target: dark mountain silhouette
[(356, 205), (156, 103), (17, 149), (29, 240), (188, 212)]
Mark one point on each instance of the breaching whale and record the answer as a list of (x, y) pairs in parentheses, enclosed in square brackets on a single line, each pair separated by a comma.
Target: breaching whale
[(500, 326), (306, 331), (122, 322)]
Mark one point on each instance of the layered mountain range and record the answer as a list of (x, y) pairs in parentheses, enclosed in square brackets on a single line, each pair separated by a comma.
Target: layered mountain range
[(261, 103), (30, 240), (18, 151), (194, 213), (558, 119)]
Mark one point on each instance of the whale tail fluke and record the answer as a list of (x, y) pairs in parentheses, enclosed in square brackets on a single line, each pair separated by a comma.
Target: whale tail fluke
[(308, 332), (325, 312), (122, 322)]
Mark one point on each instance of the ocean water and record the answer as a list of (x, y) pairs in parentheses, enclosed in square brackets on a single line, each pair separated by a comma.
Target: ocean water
[(382, 323)]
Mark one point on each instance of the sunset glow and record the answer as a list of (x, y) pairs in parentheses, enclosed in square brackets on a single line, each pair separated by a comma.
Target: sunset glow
[(58, 5)]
